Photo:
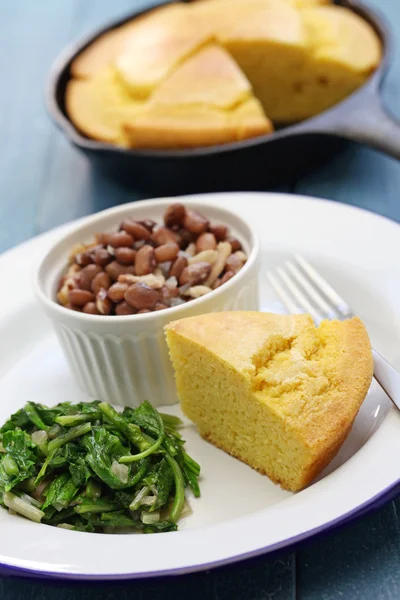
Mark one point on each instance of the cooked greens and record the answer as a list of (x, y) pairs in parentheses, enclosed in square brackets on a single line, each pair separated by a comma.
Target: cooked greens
[(90, 468)]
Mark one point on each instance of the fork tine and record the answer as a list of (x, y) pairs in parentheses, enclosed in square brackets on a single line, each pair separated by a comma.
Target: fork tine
[(282, 294), (298, 295), (339, 303), (311, 291)]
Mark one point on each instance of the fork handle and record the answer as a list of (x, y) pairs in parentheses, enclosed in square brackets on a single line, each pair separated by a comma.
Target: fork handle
[(387, 377)]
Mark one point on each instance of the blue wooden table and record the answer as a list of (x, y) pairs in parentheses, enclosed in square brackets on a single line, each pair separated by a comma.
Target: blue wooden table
[(44, 182)]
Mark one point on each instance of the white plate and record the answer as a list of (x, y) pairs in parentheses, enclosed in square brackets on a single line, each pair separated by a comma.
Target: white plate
[(240, 513)]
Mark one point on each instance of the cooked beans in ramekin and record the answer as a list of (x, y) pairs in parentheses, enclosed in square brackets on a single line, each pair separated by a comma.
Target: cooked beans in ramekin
[(144, 266), (126, 273)]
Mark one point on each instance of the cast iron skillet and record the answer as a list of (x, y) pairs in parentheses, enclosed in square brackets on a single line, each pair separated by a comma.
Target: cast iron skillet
[(257, 163)]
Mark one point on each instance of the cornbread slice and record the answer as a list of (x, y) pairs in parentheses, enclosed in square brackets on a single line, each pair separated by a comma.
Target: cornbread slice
[(162, 126), (99, 105), (209, 77), (157, 46), (207, 100), (272, 390)]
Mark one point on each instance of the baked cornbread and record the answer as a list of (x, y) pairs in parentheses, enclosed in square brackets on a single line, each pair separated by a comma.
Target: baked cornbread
[(100, 105), (107, 47), (304, 3), (232, 3), (219, 17), (345, 50), (206, 101), (157, 47), (272, 390), (271, 47), (301, 62), (101, 53), (194, 126), (288, 61), (210, 77)]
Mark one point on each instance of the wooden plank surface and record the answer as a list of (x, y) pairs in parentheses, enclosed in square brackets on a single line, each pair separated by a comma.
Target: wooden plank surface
[(360, 562), (45, 182), (262, 580)]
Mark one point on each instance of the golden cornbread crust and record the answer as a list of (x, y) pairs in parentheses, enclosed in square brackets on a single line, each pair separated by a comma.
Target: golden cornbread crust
[(106, 48), (101, 53), (272, 390)]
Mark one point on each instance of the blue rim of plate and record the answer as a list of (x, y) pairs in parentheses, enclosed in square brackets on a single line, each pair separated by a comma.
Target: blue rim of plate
[(374, 503)]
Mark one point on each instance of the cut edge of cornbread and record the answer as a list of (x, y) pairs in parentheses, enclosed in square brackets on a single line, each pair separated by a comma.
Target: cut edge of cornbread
[(210, 77), (166, 127), (206, 101), (302, 61), (272, 390)]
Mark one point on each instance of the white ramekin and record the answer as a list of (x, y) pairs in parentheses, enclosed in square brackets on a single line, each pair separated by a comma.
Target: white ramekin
[(124, 360)]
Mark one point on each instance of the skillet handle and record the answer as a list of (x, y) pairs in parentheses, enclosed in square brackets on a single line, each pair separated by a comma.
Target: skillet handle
[(364, 119)]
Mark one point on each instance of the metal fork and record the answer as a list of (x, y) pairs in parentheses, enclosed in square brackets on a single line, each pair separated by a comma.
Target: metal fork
[(302, 289)]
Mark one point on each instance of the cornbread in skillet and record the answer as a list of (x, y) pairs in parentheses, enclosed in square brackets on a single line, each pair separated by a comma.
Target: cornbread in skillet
[(157, 47), (345, 51), (100, 105), (304, 3), (232, 3), (295, 59), (272, 390), (219, 17), (189, 126), (107, 47), (301, 62), (210, 77), (101, 53), (206, 101), (271, 47)]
